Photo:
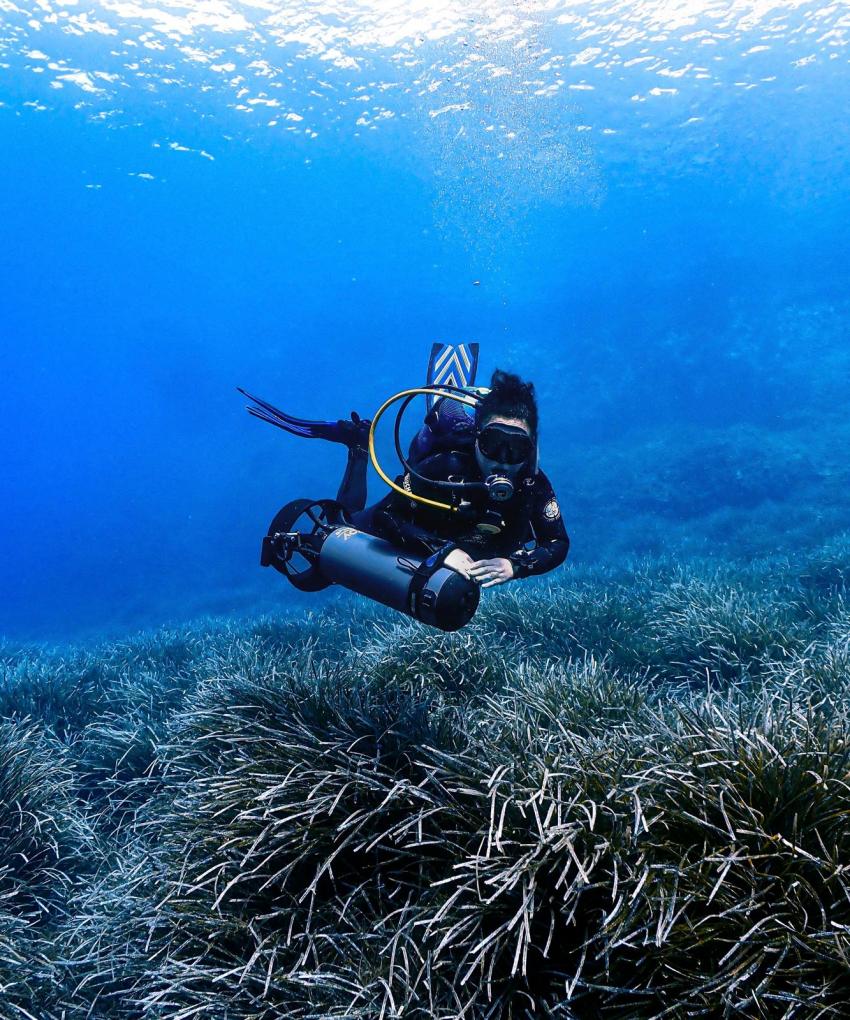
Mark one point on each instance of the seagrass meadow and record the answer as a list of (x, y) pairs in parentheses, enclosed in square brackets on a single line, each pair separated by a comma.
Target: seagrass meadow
[(620, 794)]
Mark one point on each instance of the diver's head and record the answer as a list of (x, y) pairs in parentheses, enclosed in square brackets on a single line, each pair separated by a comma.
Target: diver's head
[(508, 397), (506, 433)]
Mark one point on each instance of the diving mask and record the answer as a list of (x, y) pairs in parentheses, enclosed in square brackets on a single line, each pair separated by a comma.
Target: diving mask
[(505, 444), (503, 453)]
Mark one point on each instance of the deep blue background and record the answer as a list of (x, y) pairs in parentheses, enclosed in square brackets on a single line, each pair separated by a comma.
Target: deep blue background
[(696, 284)]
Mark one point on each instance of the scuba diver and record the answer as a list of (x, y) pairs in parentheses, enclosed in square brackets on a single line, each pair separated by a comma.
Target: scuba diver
[(471, 500)]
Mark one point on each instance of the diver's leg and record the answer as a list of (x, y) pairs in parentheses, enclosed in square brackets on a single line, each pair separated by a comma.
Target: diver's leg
[(352, 489), (364, 519), (353, 432)]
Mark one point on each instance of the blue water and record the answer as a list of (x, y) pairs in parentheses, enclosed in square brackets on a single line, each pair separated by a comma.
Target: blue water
[(643, 207)]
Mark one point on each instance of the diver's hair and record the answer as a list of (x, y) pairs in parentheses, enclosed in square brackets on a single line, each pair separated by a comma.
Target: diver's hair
[(509, 397)]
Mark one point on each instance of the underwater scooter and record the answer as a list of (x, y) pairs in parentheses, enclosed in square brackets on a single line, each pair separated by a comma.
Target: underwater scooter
[(324, 550), (314, 546)]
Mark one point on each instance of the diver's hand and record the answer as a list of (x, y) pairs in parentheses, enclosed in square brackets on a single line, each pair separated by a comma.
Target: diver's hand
[(490, 572), (459, 561)]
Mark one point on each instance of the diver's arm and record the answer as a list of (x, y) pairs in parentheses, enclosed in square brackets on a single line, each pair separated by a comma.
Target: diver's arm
[(553, 543), (542, 558)]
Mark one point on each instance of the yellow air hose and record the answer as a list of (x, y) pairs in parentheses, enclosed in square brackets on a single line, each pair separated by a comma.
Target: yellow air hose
[(461, 398)]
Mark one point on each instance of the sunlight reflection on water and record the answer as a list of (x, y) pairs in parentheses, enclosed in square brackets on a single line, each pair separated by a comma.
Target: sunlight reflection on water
[(252, 51), (510, 101)]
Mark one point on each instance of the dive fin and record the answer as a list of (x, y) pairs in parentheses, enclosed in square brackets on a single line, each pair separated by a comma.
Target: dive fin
[(451, 365), (353, 432)]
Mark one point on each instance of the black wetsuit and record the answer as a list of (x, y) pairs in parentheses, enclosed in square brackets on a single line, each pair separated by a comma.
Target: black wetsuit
[(532, 514)]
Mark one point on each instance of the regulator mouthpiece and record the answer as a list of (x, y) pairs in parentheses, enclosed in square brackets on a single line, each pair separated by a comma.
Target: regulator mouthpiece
[(499, 487)]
